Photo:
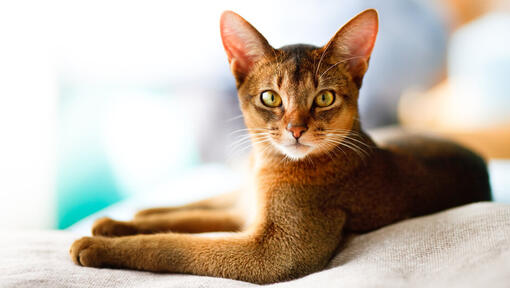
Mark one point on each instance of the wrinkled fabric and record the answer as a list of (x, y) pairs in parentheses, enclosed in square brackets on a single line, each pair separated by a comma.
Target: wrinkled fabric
[(467, 246)]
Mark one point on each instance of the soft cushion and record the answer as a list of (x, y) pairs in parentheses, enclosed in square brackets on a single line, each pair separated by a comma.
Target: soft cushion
[(467, 246)]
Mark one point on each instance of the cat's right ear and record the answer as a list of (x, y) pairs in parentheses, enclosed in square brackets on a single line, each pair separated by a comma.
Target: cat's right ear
[(243, 43)]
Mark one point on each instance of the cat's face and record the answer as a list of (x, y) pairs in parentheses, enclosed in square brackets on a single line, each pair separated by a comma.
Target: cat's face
[(300, 100)]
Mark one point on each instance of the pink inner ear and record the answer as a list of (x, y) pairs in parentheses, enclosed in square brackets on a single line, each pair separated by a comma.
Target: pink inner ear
[(358, 35), (361, 42), (243, 43), (231, 43)]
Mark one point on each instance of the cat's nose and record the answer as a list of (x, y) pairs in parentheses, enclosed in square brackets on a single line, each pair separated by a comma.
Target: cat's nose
[(297, 129)]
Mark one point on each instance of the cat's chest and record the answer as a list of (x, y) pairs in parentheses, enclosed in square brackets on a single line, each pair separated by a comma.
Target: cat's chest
[(296, 176), (298, 189)]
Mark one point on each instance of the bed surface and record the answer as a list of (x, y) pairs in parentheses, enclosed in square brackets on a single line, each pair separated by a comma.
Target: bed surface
[(467, 246)]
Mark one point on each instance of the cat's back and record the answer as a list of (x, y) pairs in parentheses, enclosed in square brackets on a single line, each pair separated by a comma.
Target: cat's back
[(412, 175), (432, 151), (456, 174)]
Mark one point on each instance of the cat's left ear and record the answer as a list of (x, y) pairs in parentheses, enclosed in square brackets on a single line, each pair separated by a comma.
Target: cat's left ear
[(353, 43), (243, 43)]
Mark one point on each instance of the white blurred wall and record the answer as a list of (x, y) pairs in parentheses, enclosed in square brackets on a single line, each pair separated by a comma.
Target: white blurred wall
[(28, 93), (46, 43)]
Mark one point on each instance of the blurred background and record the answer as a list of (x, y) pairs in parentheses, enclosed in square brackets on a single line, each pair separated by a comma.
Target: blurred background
[(106, 102)]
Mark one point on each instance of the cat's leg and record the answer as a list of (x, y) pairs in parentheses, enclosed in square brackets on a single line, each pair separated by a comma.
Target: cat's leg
[(223, 201), (183, 221), (271, 255)]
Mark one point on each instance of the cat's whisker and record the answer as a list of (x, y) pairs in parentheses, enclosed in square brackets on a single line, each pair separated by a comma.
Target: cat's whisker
[(363, 155), (327, 153), (245, 148), (327, 147), (240, 147), (260, 140), (248, 130), (356, 149), (245, 138), (334, 151), (234, 118), (322, 57), (253, 134), (336, 146), (246, 142), (265, 149), (346, 140), (249, 134), (242, 137), (353, 149), (344, 60), (359, 142), (351, 134), (350, 138)]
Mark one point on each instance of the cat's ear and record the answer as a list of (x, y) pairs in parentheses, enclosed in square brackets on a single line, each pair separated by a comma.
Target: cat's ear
[(353, 43), (243, 43)]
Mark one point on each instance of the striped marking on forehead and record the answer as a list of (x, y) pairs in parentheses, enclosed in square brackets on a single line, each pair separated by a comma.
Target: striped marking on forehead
[(298, 91)]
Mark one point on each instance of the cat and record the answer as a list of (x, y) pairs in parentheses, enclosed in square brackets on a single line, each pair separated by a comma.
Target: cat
[(315, 173)]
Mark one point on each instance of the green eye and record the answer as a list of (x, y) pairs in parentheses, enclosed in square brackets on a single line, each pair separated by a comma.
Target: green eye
[(271, 99), (324, 99)]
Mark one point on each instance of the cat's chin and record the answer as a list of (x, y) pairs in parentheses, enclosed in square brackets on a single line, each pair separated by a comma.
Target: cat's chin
[(296, 151)]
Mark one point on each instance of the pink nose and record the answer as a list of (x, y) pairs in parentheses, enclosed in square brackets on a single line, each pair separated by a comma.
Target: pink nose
[(297, 129)]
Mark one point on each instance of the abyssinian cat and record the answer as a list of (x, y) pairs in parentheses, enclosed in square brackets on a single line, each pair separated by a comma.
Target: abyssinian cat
[(316, 174)]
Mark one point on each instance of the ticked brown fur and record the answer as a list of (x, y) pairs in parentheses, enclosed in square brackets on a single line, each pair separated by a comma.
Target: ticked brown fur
[(308, 189)]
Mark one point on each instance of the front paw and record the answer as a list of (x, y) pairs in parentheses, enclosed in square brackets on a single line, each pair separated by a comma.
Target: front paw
[(89, 252), (111, 228)]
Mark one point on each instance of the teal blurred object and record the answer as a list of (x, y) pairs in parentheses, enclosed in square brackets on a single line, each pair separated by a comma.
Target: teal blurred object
[(85, 181), (84, 191), (116, 142)]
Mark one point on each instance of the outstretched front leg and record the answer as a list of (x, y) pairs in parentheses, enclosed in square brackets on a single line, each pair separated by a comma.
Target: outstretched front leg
[(209, 215), (185, 221), (268, 254)]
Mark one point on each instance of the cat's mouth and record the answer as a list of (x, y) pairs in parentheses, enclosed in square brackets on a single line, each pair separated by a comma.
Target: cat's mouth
[(298, 145), (296, 150)]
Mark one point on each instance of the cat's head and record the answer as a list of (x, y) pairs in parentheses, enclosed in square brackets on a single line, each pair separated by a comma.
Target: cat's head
[(299, 100)]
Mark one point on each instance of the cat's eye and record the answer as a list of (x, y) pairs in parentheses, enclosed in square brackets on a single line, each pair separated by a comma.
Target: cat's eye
[(271, 99), (324, 99)]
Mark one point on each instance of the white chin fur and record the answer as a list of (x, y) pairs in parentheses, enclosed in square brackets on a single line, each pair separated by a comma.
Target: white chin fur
[(295, 153)]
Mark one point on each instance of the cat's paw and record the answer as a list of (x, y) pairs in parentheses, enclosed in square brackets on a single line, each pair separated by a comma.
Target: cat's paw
[(110, 228), (88, 252)]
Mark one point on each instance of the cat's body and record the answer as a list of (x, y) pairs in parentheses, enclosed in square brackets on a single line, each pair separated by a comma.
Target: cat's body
[(405, 175), (314, 173), (413, 175)]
